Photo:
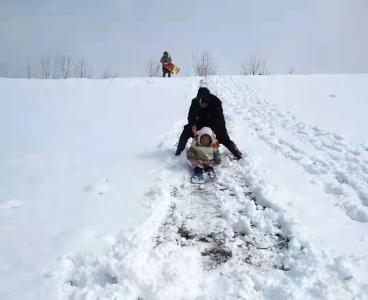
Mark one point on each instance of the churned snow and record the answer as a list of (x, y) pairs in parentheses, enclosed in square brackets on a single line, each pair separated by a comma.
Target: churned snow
[(93, 204)]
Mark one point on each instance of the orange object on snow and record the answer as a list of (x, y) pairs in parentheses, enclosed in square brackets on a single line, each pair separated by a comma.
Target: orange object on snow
[(172, 68)]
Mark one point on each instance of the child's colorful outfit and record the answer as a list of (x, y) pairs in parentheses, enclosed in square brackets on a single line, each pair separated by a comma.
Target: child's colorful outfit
[(203, 157)]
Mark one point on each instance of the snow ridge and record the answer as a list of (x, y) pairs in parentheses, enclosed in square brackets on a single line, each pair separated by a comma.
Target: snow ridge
[(338, 166)]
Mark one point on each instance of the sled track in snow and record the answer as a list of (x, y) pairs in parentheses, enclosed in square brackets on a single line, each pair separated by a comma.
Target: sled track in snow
[(198, 239), (221, 220)]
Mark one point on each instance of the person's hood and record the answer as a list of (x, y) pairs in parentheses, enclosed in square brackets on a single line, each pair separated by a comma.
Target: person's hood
[(208, 131), (204, 94)]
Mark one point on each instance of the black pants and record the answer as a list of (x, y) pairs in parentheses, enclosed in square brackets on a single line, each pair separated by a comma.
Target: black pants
[(165, 71), (221, 135)]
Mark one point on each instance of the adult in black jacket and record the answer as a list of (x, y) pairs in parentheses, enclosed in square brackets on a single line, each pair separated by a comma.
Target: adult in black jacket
[(206, 111), (165, 59)]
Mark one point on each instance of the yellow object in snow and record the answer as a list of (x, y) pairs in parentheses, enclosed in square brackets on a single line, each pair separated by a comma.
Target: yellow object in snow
[(172, 68)]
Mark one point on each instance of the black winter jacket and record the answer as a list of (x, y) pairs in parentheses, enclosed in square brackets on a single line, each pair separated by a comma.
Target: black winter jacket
[(212, 116), (165, 60)]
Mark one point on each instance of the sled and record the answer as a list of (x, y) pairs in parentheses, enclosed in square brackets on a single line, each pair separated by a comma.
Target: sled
[(172, 68)]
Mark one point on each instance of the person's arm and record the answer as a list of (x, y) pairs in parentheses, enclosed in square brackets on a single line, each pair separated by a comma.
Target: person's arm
[(220, 119), (192, 114), (169, 60), (162, 60)]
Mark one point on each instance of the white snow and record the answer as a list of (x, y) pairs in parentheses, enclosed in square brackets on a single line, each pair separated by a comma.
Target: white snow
[(93, 204), (337, 103)]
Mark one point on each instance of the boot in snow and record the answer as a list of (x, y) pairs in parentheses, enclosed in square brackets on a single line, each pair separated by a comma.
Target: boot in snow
[(211, 174), (198, 176), (235, 151)]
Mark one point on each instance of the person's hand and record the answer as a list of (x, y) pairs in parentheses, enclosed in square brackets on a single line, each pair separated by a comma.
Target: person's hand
[(194, 130)]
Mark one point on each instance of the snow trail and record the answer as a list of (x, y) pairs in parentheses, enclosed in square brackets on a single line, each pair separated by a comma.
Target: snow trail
[(228, 239), (340, 168), (205, 232)]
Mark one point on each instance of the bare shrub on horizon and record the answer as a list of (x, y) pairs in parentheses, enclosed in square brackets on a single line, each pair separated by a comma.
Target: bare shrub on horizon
[(108, 73), (255, 65), (81, 69), (62, 66), (153, 68), (204, 64), (45, 67)]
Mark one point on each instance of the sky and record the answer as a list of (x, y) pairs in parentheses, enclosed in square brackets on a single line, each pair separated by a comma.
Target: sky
[(309, 36)]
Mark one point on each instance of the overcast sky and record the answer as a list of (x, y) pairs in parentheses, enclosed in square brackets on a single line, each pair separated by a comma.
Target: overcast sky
[(313, 36)]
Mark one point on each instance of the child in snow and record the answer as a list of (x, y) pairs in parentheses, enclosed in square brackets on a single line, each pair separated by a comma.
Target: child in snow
[(203, 154)]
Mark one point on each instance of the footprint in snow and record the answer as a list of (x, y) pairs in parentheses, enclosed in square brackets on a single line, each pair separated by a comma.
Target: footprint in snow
[(97, 189)]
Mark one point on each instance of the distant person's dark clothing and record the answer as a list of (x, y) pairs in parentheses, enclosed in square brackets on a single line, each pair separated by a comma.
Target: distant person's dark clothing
[(166, 71), (165, 59), (206, 111)]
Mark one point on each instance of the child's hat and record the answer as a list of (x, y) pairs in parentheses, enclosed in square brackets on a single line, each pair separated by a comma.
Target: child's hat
[(206, 131)]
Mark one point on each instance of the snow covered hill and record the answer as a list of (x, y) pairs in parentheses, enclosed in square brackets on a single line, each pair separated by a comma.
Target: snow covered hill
[(93, 204)]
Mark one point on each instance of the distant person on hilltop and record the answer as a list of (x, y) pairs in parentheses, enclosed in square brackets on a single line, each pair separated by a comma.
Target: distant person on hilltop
[(165, 59), (206, 111)]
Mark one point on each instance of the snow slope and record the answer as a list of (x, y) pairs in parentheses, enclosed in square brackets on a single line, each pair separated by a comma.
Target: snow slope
[(336, 103), (75, 158), (287, 222)]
